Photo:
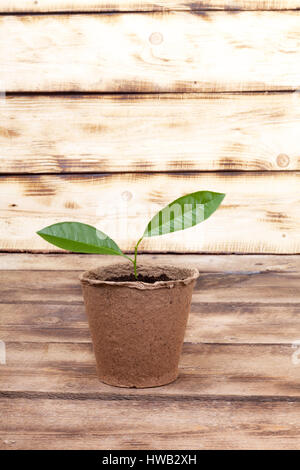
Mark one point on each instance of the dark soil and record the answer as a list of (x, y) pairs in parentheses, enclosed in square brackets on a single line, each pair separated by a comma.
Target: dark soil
[(141, 278)]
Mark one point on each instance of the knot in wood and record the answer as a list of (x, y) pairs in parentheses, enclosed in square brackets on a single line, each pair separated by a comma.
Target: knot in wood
[(156, 38), (282, 160)]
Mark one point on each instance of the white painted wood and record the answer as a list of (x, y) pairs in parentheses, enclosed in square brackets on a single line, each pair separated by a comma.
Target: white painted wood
[(175, 52), (260, 214), (64, 134)]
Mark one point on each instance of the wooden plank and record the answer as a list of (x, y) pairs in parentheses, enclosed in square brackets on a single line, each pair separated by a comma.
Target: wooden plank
[(48, 287), (261, 212), (215, 370), (209, 322), (228, 396), (260, 306), (148, 424), (174, 51), (143, 5), (62, 134), (227, 264)]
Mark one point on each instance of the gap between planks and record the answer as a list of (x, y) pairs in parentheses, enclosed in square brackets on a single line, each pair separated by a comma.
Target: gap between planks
[(132, 6), (148, 398)]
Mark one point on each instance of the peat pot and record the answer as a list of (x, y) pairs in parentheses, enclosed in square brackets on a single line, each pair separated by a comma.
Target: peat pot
[(137, 327)]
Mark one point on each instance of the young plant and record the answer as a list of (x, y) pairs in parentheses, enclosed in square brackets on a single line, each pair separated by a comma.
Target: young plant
[(183, 213)]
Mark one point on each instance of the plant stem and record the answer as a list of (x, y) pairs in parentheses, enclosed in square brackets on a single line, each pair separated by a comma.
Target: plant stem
[(135, 256)]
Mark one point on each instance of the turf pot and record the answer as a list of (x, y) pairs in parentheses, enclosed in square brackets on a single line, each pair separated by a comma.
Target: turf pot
[(138, 327)]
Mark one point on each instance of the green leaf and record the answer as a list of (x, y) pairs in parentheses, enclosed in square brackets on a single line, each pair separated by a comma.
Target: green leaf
[(80, 238), (184, 212)]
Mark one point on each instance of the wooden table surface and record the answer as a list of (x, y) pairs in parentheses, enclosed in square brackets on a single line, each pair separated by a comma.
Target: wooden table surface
[(239, 383)]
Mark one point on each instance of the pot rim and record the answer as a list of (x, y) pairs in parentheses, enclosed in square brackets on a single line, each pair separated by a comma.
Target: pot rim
[(191, 275)]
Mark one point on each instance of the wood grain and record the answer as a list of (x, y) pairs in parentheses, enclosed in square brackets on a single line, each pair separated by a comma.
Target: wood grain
[(229, 395), (24, 286), (260, 212), (209, 322), (143, 5), (227, 264), (64, 134), (149, 424), (68, 370), (174, 51), (236, 300)]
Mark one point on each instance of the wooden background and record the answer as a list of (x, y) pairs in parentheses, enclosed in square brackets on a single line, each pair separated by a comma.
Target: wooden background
[(108, 111), (112, 109)]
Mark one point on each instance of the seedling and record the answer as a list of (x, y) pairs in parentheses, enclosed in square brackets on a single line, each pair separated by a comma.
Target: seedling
[(183, 213)]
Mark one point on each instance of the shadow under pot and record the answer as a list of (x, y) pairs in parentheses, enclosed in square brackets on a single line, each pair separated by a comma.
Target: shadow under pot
[(138, 327)]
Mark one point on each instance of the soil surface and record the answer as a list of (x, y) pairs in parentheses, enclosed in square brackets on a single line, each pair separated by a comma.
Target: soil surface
[(141, 278), (150, 276)]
